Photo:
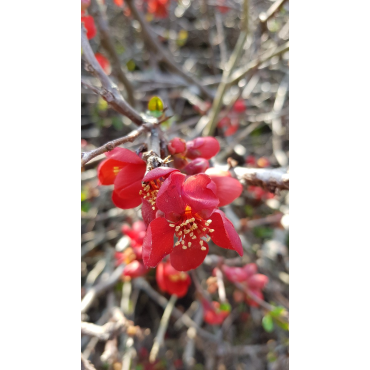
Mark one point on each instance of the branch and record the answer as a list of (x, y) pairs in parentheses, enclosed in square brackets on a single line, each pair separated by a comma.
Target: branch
[(108, 91), (243, 71), (107, 43), (159, 338), (85, 364), (88, 156), (265, 16), (95, 291), (112, 328), (155, 45), (267, 178), (223, 86)]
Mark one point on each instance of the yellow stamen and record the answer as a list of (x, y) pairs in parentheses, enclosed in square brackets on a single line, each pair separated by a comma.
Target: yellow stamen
[(184, 247), (189, 244), (172, 225), (203, 248)]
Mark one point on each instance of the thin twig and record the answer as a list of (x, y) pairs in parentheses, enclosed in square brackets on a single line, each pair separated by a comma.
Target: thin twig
[(108, 91), (85, 364), (265, 16), (95, 291), (87, 156), (223, 86), (155, 45), (159, 338), (98, 12)]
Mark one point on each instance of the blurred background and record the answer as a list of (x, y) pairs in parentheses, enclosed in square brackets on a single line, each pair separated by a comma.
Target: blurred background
[(184, 58)]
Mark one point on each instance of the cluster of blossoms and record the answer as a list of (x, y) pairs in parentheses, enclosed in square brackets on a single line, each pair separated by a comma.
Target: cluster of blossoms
[(132, 256), (251, 280), (159, 8), (175, 205), (215, 313)]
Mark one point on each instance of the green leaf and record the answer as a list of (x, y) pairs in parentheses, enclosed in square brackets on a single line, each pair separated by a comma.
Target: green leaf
[(248, 210), (155, 104), (263, 232), (277, 311), (225, 307), (131, 65), (268, 323), (283, 325)]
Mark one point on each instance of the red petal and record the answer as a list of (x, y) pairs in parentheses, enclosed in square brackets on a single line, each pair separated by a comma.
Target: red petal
[(130, 174), (250, 300), (108, 171), (147, 212), (205, 147), (198, 165), (158, 242), (124, 155), (179, 287), (228, 189), (169, 198), (158, 172), (125, 203), (135, 269), (235, 273), (225, 235), (199, 192), (159, 276), (190, 258)]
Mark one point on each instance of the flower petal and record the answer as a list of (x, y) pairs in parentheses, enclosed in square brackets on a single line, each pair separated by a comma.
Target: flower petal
[(147, 212), (158, 172), (225, 235), (169, 198), (125, 203), (228, 189), (190, 258), (159, 276), (129, 174), (158, 242), (108, 171), (124, 155), (199, 192)]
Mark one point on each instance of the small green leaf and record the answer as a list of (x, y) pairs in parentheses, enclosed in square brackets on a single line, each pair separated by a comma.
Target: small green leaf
[(277, 311), (131, 65), (155, 105), (225, 307), (283, 325), (268, 323)]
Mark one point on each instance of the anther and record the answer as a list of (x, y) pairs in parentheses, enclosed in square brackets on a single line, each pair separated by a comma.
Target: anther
[(201, 242), (209, 221), (194, 237), (153, 208), (204, 229), (211, 230), (208, 239), (172, 225), (177, 243), (191, 234), (203, 248), (184, 247), (189, 244), (177, 228)]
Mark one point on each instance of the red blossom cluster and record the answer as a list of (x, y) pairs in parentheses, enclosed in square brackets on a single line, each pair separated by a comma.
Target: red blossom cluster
[(247, 275), (230, 124), (172, 281), (132, 256), (104, 63), (174, 204)]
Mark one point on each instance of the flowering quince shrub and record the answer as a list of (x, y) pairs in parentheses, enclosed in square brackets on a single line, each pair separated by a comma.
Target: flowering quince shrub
[(172, 281), (247, 275)]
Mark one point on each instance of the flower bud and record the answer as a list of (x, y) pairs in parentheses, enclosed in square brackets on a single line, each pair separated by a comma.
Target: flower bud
[(239, 106), (205, 147), (176, 146), (135, 269), (198, 165)]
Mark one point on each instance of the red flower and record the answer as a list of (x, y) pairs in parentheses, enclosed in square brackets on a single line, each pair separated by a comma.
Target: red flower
[(228, 188), (213, 312), (224, 122), (125, 170), (118, 3), (205, 147), (135, 269), (198, 165), (186, 209), (176, 146), (232, 129), (151, 184), (104, 63), (172, 281), (239, 106), (251, 159), (247, 275), (136, 233), (89, 23), (158, 8)]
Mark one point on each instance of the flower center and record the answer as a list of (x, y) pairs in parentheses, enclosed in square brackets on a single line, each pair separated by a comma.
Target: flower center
[(150, 191), (190, 228)]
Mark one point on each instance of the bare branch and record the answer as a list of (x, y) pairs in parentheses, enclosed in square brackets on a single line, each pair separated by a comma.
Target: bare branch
[(108, 91), (85, 364), (106, 41), (155, 45), (87, 156)]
